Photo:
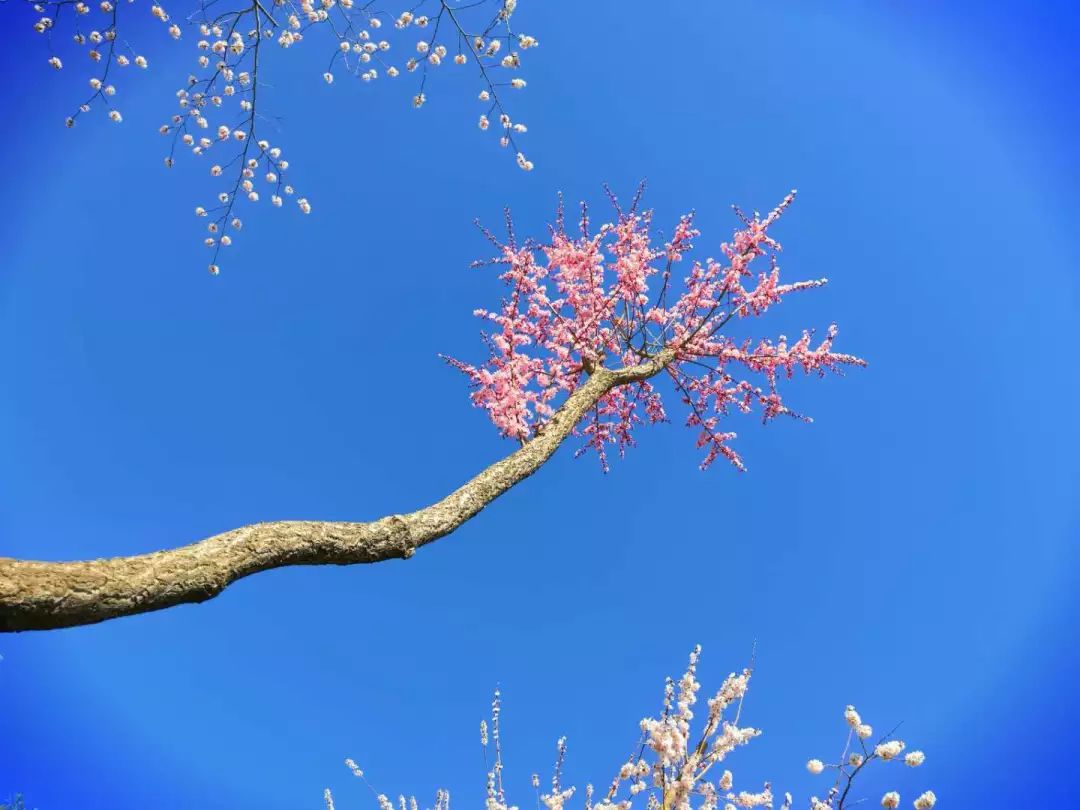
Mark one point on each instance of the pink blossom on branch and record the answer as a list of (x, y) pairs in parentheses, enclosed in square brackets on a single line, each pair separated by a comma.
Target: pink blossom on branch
[(610, 298)]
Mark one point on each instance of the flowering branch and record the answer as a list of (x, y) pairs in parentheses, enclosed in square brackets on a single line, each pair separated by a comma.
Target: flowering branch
[(577, 361), (579, 302), (229, 44), (673, 767)]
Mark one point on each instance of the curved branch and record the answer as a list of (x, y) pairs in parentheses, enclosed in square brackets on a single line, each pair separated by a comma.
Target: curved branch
[(49, 595)]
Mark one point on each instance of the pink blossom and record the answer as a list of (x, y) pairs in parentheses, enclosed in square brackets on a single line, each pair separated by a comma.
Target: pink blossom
[(583, 301)]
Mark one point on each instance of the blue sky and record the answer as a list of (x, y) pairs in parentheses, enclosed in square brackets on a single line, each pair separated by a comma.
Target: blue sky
[(913, 551)]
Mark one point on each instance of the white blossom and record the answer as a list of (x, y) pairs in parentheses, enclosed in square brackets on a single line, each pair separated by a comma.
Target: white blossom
[(914, 759)]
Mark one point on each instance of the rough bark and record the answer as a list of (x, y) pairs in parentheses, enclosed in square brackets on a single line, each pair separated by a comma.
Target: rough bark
[(37, 595)]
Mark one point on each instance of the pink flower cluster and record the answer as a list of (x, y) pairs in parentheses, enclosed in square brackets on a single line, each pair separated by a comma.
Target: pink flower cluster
[(609, 299)]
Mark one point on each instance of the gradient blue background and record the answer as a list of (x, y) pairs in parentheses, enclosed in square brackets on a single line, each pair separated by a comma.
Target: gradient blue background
[(913, 551)]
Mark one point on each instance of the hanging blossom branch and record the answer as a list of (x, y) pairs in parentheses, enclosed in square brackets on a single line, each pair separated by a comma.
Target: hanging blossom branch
[(678, 767), (579, 302), (219, 117), (576, 361)]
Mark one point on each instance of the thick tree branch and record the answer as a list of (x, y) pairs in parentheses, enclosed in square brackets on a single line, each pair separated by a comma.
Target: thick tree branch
[(48, 595)]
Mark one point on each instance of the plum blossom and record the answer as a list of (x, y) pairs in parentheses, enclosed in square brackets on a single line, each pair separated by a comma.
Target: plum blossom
[(676, 764), (926, 801), (890, 749), (610, 298), (222, 92)]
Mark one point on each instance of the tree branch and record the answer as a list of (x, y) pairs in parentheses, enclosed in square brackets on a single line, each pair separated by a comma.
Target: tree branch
[(38, 595)]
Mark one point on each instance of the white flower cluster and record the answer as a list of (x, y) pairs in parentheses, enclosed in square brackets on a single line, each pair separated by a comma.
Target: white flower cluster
[(364, 50), (95, 37), (852, 762), (218, 103), (674, 766)]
